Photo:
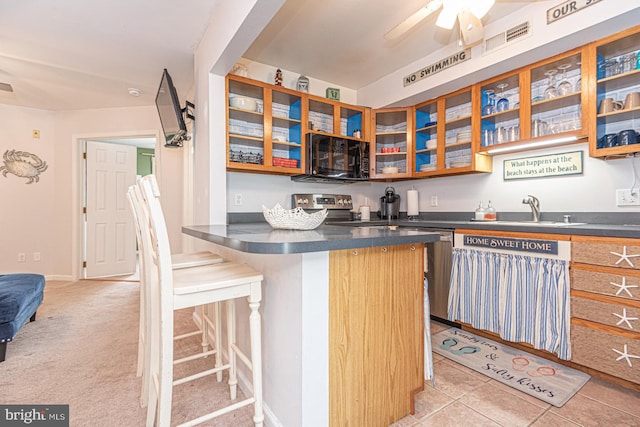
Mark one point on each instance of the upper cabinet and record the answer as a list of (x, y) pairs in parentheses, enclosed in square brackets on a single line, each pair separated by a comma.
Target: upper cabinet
[(426, 138), (336, 118), (392, 144), (616, 93), (499, 110), (264, 127), (558, 103), (267, 124)]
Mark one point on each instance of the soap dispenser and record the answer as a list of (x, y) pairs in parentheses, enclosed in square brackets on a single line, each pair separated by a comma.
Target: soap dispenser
[(480, 213), (490, 213)]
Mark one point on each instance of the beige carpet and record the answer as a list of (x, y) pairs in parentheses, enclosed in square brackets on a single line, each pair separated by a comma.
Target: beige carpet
[(82, 351)]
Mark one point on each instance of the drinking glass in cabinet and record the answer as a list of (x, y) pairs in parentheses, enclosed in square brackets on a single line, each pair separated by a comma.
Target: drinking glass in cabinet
[(564, 87), (578, 86), (503, 102), (551, 91), (489, 107)]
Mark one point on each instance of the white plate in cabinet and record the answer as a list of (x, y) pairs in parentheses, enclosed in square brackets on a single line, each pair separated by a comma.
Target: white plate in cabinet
[(617, 355), (606, 281), (620, 253), (620, 316)]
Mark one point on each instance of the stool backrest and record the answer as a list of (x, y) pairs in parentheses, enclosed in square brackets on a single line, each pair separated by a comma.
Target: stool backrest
[(160, 287)]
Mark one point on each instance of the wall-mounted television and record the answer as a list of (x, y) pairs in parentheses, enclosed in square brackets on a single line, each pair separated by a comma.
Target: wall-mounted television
[(171, 114)]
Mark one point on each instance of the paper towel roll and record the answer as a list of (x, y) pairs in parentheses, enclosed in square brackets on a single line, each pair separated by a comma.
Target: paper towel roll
[(413, 208), (365, 213)]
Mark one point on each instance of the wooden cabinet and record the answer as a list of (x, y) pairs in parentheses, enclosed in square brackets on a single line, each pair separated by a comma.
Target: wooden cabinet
[(335, 118), (267, 134), (265, 130), (376, 347), (500, 110), (617, 72), (605, 305), (392, 144)]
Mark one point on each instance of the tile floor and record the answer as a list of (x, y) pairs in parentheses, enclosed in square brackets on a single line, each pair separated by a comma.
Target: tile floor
[(462, 396)]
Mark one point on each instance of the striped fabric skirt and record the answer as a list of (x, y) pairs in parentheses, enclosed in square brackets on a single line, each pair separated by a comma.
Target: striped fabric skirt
[(521, 298)]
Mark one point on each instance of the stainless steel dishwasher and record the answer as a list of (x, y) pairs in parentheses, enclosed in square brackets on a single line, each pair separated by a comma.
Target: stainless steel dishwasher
[(438, 273)]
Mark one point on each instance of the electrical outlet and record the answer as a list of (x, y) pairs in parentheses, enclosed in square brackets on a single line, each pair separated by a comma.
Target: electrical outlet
[(238, 199), (434, 200), (36, 256), (628, 197), (22, 257)]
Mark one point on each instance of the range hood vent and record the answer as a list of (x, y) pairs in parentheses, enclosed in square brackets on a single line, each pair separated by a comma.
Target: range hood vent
[(6, 87), (512, 34)]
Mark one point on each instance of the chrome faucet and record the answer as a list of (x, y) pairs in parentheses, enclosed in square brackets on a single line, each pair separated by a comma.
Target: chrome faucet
[(534, 203)]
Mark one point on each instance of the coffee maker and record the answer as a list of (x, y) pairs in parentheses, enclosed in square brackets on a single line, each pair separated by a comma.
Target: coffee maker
[(389, 204)]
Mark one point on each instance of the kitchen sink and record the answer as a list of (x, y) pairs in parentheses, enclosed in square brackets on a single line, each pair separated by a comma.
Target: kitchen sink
[(530, 223)]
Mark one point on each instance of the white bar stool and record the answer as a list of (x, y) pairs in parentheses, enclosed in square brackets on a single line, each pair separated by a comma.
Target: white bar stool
[(173, 290), (178, 261)]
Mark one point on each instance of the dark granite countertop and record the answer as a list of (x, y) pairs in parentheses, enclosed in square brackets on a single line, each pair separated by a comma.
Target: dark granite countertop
[(260, 238), (547, 227)]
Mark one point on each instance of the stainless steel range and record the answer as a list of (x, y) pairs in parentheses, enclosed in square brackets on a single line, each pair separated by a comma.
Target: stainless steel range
[(338, 205)]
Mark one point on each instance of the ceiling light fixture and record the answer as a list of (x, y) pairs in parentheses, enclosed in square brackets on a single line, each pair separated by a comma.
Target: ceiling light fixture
[(535, 144), (134, 92)]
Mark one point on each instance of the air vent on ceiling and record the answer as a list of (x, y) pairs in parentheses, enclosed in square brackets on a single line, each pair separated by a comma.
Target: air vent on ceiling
[(6, 87), (508, 36)]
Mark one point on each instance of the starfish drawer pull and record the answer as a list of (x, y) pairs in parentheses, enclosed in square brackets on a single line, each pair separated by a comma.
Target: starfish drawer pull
[(623, 286), (625, 355), (624, 319), (624, 256)]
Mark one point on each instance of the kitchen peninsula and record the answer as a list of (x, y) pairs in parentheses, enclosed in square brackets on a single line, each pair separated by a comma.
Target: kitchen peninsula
[(342, 318)]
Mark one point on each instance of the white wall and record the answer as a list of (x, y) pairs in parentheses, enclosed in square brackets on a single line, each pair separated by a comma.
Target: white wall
[(45, 216), (27, 219)]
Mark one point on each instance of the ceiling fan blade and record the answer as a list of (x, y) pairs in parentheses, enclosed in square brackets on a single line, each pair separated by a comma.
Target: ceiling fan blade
[(447, 17), (470, 28), (413, 20)]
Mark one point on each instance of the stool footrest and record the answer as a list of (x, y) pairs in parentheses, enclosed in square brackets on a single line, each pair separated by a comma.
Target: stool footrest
[(195, 357), (200, 375), (217, 413)]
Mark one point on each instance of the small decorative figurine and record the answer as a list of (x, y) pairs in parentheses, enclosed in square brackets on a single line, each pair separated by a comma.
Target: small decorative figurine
[(278, 77), (303, 84)]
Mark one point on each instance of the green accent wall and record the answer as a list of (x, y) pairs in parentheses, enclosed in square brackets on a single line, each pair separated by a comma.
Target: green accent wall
[(145, 158)]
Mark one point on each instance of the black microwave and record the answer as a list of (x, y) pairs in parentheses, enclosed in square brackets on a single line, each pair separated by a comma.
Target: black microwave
[(335, 159)]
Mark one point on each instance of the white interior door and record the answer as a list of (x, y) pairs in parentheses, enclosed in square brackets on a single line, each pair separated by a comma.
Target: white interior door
[(110, 234)]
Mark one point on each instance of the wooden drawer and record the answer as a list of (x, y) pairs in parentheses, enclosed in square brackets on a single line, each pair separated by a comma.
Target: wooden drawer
[(595, 349), (620, 316), (612, 252), (623, 284)]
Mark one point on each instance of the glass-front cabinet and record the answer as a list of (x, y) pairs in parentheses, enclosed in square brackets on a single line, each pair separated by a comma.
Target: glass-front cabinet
[(558, 104), (335, 118), (614, 132), (392, 143), (286, 129), (499, 111), (458, 134), (245, 121), (264, 127), (426, 138)]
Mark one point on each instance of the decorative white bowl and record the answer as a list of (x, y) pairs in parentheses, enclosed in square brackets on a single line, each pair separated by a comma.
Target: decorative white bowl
[(293, 219), (243, 103)]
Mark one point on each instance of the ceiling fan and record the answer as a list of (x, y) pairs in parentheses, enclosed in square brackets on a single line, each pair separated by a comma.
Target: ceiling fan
[(468, 12)]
